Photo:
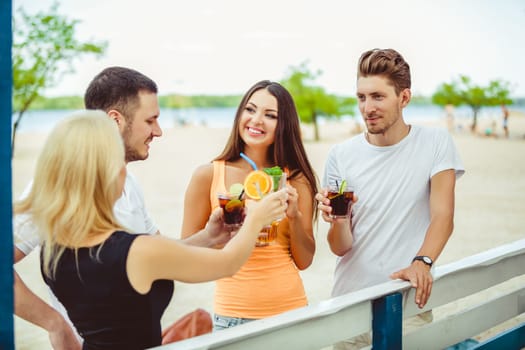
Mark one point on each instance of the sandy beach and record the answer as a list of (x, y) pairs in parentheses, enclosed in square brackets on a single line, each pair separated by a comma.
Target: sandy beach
[(490, 202)]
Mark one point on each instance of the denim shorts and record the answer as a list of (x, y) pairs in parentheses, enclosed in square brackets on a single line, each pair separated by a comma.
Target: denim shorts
[(224, 322)]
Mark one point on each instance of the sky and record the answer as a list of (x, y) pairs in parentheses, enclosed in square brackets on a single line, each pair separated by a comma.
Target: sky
[(225, 46)]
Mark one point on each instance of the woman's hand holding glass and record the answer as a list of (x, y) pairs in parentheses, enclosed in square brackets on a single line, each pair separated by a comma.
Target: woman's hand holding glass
[(293, 197), (268, 209), (265, 211)]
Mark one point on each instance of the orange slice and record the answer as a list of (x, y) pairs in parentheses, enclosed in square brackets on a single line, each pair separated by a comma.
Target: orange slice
[(257, 177)]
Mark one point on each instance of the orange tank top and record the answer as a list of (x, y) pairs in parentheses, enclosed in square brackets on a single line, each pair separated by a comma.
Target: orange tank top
[(269, 282)]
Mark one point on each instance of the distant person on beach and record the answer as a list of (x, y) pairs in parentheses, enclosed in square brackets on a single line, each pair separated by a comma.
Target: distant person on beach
[(266, 129), (115, 285), (449, 111), (490, 130), (404, 177), (505, 116), (130, 100)]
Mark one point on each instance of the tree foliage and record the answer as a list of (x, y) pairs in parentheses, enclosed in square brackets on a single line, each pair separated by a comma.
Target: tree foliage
[(313, 101), (186, 101), (44, 49), (447, 94), (465, 92), (61, 102)]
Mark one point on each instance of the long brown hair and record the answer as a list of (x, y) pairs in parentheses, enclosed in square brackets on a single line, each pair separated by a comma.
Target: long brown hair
[(287, 151)]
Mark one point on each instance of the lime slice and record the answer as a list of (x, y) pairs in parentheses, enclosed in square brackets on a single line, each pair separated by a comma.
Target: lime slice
[(236, 189), (342, 188)]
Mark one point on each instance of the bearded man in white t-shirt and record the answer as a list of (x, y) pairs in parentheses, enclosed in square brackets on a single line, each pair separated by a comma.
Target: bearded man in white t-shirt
[(129, 98), (404, 178)]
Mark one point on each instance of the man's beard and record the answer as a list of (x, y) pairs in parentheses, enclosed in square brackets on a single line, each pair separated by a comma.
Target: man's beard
[(131, 153), (376, 130)]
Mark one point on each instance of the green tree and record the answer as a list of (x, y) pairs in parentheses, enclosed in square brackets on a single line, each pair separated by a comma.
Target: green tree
[(466, 92), (44, 48), (313, 101), (447, 94)]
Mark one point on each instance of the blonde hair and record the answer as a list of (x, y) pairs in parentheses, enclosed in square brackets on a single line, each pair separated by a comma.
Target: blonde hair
[(75, 184)]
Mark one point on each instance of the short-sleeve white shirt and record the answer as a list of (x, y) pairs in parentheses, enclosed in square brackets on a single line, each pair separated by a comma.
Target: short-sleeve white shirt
[(129, 210), (392, 215)]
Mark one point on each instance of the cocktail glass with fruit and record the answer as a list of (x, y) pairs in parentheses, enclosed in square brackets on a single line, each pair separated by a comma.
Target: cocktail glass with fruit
[(340, 195), (259, 183), (233, 206)]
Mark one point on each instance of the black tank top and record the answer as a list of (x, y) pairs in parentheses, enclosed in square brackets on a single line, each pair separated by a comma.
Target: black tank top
[(105, 309)]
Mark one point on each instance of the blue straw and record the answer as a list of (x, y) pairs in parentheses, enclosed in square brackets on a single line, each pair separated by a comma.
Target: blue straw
[(246, 158)]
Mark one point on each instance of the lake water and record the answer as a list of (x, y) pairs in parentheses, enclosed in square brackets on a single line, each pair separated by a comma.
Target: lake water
[(44, 120)]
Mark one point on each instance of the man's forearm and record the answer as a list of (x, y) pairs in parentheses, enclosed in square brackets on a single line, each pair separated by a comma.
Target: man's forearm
[(32, 308), (340, 237), (437, 236), (200, 239)]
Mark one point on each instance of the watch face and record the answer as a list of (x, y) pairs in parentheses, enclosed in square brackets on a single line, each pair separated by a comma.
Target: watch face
[(427, 260)]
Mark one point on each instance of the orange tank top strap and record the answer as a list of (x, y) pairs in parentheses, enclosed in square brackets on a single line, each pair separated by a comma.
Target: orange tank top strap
[(217, 183)]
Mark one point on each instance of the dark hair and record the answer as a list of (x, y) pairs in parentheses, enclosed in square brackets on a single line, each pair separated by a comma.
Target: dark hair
[(388, 63), (287, 151), (117, 88)]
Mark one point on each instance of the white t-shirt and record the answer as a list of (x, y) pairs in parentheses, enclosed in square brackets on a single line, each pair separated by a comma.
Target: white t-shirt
[(392, 215), (129, 210)]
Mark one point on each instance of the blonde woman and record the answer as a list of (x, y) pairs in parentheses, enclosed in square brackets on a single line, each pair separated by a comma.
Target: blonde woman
[(115, 285)]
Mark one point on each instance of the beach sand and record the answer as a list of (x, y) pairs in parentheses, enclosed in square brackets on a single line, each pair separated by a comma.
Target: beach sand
[(490, 204)]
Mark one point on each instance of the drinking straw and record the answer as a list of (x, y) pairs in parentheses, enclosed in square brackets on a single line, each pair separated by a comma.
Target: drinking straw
[(258, 188), (246, 158)]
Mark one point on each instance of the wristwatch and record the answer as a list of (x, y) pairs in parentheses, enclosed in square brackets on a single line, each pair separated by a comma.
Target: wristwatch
[(426, 259)]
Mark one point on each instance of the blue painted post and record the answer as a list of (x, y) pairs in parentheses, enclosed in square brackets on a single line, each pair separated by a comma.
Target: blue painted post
[(6, 233), (387, 322), (513, 338)]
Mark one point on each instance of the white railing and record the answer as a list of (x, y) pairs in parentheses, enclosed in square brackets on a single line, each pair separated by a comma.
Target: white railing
[(320, 325)]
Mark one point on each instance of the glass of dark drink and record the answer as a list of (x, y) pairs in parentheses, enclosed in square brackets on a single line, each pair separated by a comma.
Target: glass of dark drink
[(233, 209), (340, 198)]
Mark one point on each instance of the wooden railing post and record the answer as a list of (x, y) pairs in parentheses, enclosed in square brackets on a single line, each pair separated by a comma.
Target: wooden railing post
[(387, 321)]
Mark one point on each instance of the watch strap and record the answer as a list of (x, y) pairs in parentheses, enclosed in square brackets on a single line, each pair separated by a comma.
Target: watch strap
[(425, 259)]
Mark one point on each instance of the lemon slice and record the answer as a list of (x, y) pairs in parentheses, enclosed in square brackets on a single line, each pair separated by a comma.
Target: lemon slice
[(233, 205)]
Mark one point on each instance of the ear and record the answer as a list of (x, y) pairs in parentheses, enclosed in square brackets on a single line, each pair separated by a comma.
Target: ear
[(117, 117), (406, 95)]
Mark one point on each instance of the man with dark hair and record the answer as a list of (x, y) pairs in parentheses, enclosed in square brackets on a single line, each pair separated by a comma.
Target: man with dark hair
[(129, 98), (404, 176)]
